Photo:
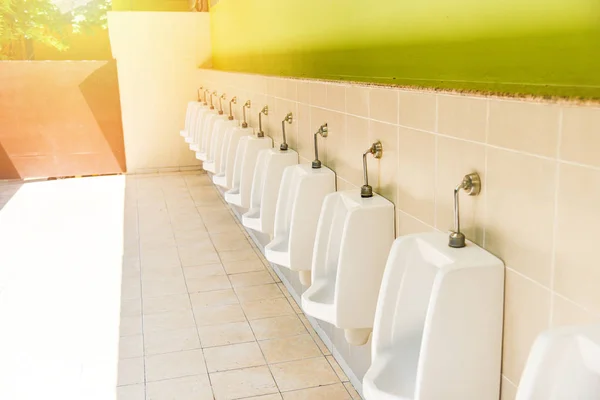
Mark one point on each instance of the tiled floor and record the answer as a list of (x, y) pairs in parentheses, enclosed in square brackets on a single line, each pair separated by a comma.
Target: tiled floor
[(203, 316)]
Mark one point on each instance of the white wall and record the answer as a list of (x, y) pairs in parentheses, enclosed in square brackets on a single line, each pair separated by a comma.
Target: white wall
[(158, 55)]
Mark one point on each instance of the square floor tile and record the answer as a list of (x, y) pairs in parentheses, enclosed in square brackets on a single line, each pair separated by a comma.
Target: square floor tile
[(289, 349), (267, 308), (214, 298), (197, 254), (251, 279), (234, 356), (170, 341), (131, 371), (174, 302), (187, 388), (332, 392), (219, 315), (276, 396), (168, 321), (229, 241), (130, 326), (175, 365), (200, 271), (208, 283), (237, 267), (163, 287), (131, 392), (242, 383), (353, 393), (303, 374), (131, 346), (131, 308), (262, 292), (238, 255), (337, 369), (221, 335), (277, 327)]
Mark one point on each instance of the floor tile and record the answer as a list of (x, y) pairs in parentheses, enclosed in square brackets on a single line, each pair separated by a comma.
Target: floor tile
[(237, 267), (337, 369), (242, 383), (221, 335), (208, 283), (131, 346), (131, 288), (267, 308), (289, 349), (233, 356), (170, 341), (175, 365), (276, 396), (277, 327), (303, 374), (187, 388), (229, 241), (131, 308), (201, 271), (251, 279), (353, 393), (163, 287), (314, 335), (331, 392), (131, 371), (219, 315), (262, 292), (197, 254), (238, 255), (174, 302), (169, 320), (131, 392), (214, 298), (130, 326)]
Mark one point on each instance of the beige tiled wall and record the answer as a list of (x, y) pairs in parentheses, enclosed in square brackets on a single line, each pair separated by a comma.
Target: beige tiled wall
[(540, 164)]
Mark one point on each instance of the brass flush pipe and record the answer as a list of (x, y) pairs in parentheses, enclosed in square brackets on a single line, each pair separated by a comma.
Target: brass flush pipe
[(221, 98), (232, 101), (377, 150), (247, 104), (288, 118), (265, 111), (323, 131)]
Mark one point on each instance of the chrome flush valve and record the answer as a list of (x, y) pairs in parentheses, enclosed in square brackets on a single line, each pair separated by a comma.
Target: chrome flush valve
[(377, 150), (471, 184)]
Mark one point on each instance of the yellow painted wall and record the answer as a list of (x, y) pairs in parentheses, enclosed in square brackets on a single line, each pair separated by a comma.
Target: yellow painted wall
[(94, 45)]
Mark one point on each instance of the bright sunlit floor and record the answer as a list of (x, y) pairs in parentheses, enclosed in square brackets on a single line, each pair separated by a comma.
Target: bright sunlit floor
[(146, 288)]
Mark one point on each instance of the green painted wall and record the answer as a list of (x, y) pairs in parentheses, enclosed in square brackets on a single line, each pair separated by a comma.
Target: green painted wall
[(539, 47), (150, 5)]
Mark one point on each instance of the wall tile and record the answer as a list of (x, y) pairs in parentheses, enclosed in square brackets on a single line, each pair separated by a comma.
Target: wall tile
[(520, 212), (565, 312), (357, 142), (462, 117), (524, 126), (318, 116), (455, 159), (383, 173), (336, 97), (357, 101), (416, 174), (303, 91), (580, 140), (508, 390), (305, 140), (526, 314), (383, 105), (282, 108), (406, 224), (318, 94), (417, 110), (577, 268)]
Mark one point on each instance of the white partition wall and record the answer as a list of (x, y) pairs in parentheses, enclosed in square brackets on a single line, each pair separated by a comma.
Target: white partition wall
[(158, 55)]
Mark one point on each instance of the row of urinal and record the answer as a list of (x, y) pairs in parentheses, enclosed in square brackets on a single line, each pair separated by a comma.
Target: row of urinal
[(432, 303)]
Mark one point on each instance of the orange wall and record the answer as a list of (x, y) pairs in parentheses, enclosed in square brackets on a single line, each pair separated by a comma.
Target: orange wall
[(59, 118)]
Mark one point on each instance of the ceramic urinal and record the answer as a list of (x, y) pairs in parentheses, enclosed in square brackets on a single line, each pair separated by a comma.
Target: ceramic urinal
[(209, 129), (190, 118), (301, 195), (225, 164), (201, 116), (221, 130), (564, 364), (196, 120), (438, 326)]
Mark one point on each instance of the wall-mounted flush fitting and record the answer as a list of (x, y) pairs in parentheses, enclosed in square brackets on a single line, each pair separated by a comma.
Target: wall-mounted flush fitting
[(471, 184), (206, 101), (200, 93), (212, 106), (377, 150), (289, 119), (221, 98), (247, 104), (323, 131), (232, 101), (265, 111)]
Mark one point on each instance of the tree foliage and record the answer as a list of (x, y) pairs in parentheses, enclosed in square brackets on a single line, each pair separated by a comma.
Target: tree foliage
[(23, 22)]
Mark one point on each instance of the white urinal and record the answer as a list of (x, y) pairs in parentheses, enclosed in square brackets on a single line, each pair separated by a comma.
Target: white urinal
[(438, 326), (198, 130), (195, 118), (225, 164), (190, 114), (216, 144), (270, 165), (354, 236), (301, 195), (208, 131), (564, 364), (243, 173)]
